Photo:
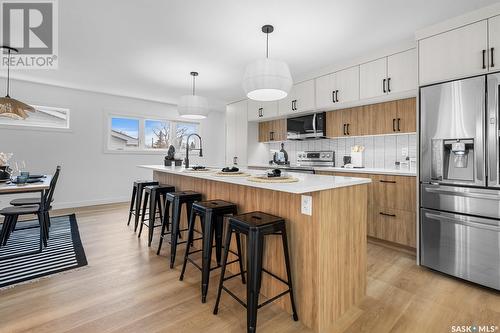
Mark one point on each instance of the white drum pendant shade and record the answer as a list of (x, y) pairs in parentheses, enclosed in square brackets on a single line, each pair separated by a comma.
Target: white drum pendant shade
[(267, 80), (193, 107)]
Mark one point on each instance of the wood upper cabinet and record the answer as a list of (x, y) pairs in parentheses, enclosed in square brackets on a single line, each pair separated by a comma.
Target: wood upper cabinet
[(258, 110), (337, 88), (274, 130), (343, 122), (300, 99), (454, 54), (381, 118), (407, 115)]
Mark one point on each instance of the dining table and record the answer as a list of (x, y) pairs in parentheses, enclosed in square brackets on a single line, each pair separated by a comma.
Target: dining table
[(41, 187)]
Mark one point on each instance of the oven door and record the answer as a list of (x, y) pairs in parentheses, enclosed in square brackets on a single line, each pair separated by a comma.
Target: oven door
[(463, 246)]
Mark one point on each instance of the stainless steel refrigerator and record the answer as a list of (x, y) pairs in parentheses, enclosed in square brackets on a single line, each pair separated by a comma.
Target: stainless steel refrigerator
[(459, 179)]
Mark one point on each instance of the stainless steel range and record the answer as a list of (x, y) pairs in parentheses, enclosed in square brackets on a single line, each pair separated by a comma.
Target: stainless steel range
[(459, 174), (316, 158)]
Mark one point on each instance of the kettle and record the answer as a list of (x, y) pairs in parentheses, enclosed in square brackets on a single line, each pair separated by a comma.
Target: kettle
[(5, 172)]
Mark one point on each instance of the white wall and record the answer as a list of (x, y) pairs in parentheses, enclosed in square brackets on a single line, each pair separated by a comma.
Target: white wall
[(90, 175)]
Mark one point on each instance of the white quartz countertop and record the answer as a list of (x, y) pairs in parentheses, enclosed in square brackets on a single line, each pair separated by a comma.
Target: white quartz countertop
[(307, 183), (377, 171)]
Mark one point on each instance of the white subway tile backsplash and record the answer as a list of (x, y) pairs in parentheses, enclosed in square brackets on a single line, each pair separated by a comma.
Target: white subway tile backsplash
[(401, 144), (381, 151), (390, 152), (378, 145), (412, 145), (369, 151)]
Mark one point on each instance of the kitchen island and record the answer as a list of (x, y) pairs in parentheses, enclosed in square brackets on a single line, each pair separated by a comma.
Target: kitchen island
[(327, 247)]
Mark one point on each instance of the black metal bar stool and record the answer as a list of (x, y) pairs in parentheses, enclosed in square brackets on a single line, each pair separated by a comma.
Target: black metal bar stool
[(136, 200), (176, 199), (153, 196), (211, 215), (256, 225)]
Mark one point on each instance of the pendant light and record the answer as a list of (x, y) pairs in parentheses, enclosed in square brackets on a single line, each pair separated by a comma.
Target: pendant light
[(193, 106), (267, 79), (10, 107)]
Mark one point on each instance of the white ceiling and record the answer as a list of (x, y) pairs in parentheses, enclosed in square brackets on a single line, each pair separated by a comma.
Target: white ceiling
[(146, 48)]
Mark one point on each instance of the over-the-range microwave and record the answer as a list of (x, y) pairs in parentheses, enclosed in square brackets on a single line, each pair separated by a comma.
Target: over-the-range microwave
[(312, 126)]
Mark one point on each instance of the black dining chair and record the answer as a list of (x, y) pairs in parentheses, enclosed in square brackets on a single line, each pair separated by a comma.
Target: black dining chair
[(41, 210), (36, 201)]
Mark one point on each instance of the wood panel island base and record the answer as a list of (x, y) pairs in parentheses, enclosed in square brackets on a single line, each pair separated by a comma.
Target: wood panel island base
[(327, 248)]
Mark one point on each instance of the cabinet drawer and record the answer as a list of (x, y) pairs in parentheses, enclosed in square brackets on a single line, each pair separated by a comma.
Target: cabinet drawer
[(393, 225), (395, 192)]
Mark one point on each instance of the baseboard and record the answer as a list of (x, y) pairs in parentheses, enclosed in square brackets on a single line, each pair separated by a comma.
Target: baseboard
[(393, 246), (77, 204)]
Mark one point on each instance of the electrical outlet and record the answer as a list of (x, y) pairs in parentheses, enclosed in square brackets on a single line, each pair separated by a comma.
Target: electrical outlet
[(306, 206), (404, 152)]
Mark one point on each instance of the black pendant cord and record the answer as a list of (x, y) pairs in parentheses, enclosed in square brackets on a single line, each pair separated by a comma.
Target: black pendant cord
[(9, 50), (8, 74), (267, 45)]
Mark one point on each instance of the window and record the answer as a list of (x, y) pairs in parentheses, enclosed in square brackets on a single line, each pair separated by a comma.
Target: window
[(182, 130), (157, 134), (124, 134), (148, 135), (44, 116)]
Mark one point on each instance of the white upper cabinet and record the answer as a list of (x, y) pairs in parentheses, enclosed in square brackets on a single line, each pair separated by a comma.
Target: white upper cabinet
[(494, 43), (236, 133), (340, 87), (373, 78), (402, 72), (454, 54), (258, 110), (300, 99)]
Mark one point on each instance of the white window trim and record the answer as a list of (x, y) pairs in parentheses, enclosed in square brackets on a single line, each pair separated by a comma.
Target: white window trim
[(39, 127), (141, 150)]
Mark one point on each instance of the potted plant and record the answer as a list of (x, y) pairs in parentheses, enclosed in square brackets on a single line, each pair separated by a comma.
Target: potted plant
[(5, 170)]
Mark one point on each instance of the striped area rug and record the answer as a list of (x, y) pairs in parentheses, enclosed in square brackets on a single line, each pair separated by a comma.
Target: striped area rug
[(64, 251)]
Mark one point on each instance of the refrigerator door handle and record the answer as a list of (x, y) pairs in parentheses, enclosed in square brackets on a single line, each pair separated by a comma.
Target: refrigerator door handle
[(492, 129), (462, 220)]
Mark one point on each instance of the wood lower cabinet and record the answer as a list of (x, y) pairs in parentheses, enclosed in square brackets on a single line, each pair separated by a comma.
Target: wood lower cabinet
[(393, 225), (392, 207), (274, 130)]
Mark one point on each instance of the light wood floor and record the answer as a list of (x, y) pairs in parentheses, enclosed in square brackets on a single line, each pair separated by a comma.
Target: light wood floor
[(127, 288)]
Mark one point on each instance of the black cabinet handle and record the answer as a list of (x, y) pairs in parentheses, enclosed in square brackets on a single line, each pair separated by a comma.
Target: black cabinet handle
[(394, 124), (294, 105), (261, 113), (271, 136), (333, 96), (484, 59), (336, 96), (344, 130), (388, 181), (383, 85), (492, 56), (399, 122), (293, 109), (388, 84), (348, 129), (386, 214)]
